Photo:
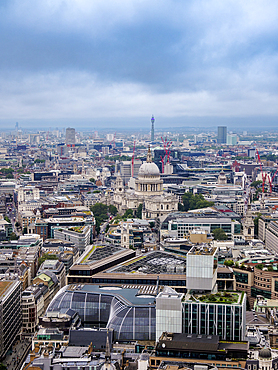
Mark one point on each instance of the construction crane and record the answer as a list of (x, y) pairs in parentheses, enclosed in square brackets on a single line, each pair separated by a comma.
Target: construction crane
[(163, 162), (270, 180), (167, 145), (132, 160)]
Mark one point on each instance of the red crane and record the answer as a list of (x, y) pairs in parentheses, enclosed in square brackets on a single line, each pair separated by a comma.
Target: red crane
[(167, 145), (132, 161), (162, 161), (264, 175), (270, 180)]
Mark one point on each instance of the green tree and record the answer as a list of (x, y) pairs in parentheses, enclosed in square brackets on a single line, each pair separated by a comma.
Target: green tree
[(13, 236), (3, 367), (100, 213), (47, 256), (219, 234), (128, 213), (113, 210), (256, 184), (39, 160), (229, 263), (92, 180), (7, 219), (191, 201), (139, 211)]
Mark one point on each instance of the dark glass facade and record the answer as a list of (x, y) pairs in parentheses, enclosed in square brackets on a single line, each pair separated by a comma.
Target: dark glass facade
[(241, 277)]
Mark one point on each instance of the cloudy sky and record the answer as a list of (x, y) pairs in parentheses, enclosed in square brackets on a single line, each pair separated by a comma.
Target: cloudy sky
[(116, 62)]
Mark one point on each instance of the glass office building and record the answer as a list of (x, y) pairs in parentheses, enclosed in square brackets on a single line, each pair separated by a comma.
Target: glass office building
[(129, 314), (225, 320)]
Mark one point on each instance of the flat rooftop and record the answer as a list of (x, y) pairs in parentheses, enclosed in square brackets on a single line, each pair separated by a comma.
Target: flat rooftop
[(4, 286), (98, 253), (203, 249), (156, 262)]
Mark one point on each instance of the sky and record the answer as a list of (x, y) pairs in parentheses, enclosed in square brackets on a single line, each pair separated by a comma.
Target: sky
[(114, 63)]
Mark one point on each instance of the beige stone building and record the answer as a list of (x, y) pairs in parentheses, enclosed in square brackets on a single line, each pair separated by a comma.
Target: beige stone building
[(148, 191)]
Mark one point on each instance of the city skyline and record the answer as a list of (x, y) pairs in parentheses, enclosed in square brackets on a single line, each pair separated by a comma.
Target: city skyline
[(115, 64)]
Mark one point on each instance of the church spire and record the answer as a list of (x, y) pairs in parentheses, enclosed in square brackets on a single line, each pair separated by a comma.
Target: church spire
[(149, 156)]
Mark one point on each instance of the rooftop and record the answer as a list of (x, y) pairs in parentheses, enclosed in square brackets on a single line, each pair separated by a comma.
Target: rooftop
[(156, 262), (4, 286), (99, 252), (137, 295), (220, 297), (203, 249)]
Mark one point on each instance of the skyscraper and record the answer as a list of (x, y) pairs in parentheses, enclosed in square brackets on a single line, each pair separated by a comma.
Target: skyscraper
[(222, 135), (70, 135), (152, 131)]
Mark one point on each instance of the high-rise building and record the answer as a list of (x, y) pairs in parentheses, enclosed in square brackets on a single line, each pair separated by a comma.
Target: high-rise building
[(10, 313), (70, 136), (231, 139), (201, 268), (222, 135), (152, 131)]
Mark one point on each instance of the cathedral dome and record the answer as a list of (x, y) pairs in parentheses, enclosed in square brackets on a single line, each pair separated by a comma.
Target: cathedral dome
[(265, 353), (148, 168)]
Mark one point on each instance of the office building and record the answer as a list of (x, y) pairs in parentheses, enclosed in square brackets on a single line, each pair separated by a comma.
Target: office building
[(179, 224), (70, 136), (231, 139), (196, 352), (222, 135), (10, 313), (201, 268), (168, 312), (57, 268)]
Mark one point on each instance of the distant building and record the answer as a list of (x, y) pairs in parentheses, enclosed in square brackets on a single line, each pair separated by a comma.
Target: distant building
[(70, 136), (231, 139), (222, 135)]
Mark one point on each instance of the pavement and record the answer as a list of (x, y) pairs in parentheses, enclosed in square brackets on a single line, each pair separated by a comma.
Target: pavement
[(20, 350)]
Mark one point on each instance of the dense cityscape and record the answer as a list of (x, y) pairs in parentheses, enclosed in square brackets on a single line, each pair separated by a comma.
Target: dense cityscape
[(138, 250)]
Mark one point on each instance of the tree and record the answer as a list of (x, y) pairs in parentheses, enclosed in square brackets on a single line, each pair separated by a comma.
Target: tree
[(113, 210), (100, 210), (219, 234), (13, 236), (92, 180), (191, 201), (39, 160), (47, 256), (139, 211), (128, 213), (229, 263), (256, 184), (7, 219), (100, 213)]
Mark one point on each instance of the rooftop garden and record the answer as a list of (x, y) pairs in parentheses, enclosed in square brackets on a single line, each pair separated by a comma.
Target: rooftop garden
[(77, 229), (220, 297), (267, 266)]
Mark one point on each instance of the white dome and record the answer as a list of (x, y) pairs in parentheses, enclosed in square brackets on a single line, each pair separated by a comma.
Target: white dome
[(148, 169)]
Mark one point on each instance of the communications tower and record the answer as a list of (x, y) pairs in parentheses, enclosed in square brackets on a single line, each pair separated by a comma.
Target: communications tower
[(152, 131)]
